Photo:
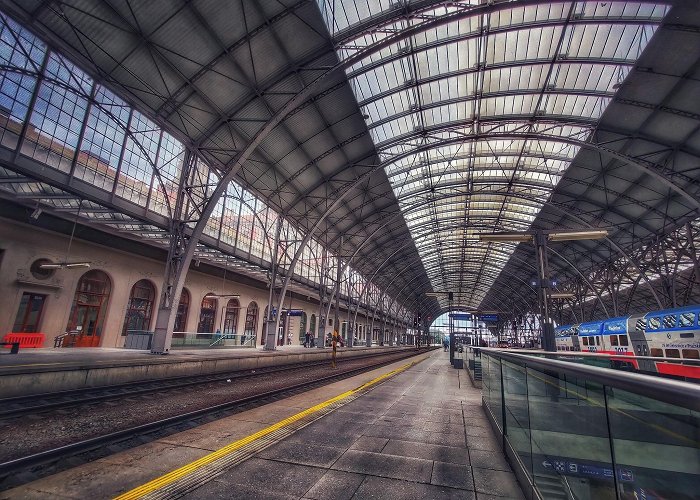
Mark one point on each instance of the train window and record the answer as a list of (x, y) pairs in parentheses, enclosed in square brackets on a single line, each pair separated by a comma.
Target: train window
[(654, 323), (673, 353), (687, 319), (585, 340), (597, 340), (691, 354), (670, 321), (613, 339), (624, 340), (657, 353)]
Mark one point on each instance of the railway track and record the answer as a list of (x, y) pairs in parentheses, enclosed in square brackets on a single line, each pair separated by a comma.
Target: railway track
[(50, 461), (40, 403)]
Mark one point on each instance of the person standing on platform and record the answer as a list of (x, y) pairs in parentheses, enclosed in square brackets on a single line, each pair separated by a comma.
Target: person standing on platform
[(289, 338), (445, 344), (307, 339)]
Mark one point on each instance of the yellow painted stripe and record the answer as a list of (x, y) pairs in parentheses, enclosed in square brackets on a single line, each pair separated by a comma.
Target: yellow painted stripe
[(176, 474)]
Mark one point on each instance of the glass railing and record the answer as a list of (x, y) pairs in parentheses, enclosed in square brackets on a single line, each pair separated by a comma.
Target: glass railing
[(184, 340), (686, 369), (472, 363), (581, 432)]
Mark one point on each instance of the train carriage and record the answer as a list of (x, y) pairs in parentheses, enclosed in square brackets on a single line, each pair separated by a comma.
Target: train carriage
[(668, 334)]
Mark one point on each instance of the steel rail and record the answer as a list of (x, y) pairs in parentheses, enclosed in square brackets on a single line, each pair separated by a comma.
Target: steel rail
[(109, 391)]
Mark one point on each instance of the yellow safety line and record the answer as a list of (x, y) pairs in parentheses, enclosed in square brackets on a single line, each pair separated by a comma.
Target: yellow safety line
[(176, 474)]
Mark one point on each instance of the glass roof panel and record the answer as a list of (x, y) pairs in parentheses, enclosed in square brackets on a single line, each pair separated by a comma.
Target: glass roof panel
[(476, 119)]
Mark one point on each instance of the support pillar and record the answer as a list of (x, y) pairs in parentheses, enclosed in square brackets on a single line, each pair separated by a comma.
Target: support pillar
[(548, 342), (272, 315)]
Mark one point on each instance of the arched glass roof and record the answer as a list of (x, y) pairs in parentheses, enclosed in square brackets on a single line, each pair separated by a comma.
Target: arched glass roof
[(477, 118)]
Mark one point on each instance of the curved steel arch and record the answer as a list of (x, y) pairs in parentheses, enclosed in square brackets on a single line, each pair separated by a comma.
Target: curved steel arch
[(476, 97), (166, 314), (420, 9), (595, 203), (645, 168), (642, 274)]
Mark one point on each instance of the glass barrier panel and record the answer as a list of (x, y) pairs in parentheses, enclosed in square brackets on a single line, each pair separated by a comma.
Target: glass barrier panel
[(492, 381), (569, 435), (515, 392), (656, 447)]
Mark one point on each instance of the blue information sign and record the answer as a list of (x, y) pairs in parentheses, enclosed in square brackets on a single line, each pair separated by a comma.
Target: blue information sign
[(489, 318), (295, 312), (461, 316)]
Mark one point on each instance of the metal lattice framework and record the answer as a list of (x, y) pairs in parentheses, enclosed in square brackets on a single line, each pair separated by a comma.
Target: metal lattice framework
[(388, 134)]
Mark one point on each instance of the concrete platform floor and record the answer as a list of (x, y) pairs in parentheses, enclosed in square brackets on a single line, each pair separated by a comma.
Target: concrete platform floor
[(420, 435)]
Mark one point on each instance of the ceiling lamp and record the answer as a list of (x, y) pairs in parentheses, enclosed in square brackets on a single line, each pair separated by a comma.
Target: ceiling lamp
[(64, 265), (505, 237), (595, 234)]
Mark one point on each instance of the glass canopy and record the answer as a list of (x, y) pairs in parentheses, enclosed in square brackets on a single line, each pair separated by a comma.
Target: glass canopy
[(477, 111)]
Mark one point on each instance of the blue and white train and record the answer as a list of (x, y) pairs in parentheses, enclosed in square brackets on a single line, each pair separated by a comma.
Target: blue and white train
[(671, 333)]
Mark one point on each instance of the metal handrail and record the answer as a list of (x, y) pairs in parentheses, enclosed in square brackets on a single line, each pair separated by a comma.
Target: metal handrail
[(673, 392), (617, 357)]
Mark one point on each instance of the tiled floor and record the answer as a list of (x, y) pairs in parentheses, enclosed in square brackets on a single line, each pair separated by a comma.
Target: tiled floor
[(420, 435)]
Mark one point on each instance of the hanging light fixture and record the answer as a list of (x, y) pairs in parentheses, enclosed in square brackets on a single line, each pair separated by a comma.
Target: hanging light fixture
[(66, 264)]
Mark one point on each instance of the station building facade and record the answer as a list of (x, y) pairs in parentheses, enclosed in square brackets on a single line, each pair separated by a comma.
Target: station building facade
[(119, 293)]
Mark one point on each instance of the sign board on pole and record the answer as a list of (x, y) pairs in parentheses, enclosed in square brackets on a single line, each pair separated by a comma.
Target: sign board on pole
[(461, 316)]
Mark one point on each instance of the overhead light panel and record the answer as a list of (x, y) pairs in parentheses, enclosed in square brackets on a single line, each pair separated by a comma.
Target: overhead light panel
[(578, 235), (64, 265), (561, 295), (505, 237)]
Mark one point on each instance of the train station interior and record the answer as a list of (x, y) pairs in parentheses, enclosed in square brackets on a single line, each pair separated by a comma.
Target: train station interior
[(404, 248)]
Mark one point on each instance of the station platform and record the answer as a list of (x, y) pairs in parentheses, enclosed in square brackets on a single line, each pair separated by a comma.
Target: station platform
[(408, 430), (47, 370)]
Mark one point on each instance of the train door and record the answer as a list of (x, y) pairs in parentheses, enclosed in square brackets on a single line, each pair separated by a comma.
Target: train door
[(575, 343), (636, 329)]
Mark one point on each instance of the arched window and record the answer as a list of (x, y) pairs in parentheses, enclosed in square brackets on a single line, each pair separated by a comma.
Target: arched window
[(302, 327), (207, 314), (183, 308), (138, 313), (231, 319), (312, 324), (251, 320), (89, 308)]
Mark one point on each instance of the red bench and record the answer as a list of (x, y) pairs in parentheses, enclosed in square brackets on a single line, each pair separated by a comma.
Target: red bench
[(24, 339)]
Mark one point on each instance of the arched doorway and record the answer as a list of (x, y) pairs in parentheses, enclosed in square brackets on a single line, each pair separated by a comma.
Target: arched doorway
[(207, 314), (251, 322), (282, 329), (183, 308), (302, 328), (89, 309), (233, 307), (140, 308), (264, 330)]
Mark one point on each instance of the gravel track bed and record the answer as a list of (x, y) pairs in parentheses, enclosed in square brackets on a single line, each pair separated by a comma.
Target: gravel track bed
[(25, 435)]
